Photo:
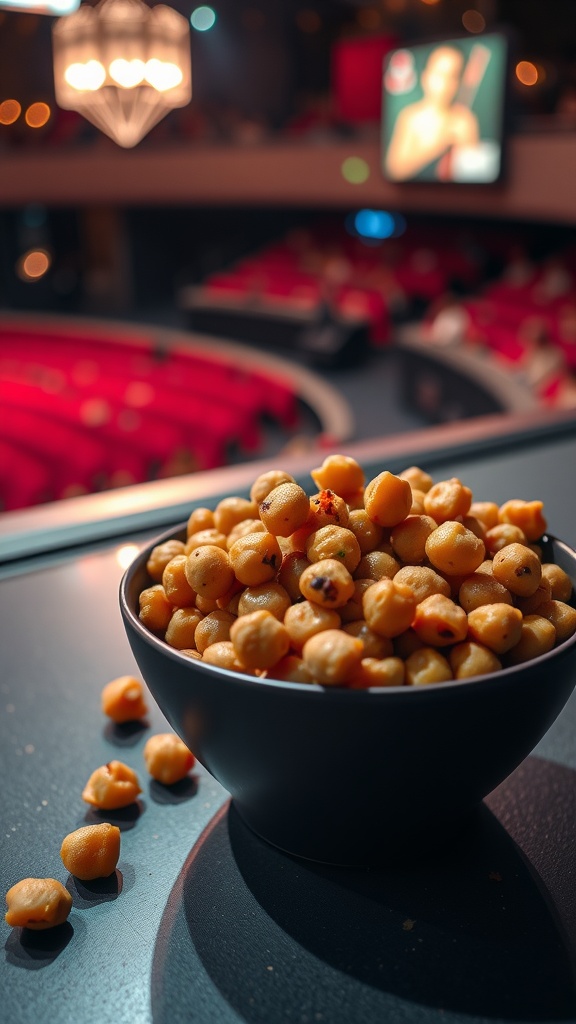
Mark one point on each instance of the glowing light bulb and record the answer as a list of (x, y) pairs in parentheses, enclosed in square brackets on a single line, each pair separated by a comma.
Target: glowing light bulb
[(88, 77), (162, 75), (127, 73)]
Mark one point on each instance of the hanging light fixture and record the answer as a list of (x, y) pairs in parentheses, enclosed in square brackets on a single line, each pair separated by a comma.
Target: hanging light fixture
[(122, 65)]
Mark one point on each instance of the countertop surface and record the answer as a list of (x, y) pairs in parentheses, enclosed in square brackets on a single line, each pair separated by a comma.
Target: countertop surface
[(202, 921)]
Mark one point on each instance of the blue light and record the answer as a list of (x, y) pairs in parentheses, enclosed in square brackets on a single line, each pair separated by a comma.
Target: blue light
[(374, 224), (202, 18)]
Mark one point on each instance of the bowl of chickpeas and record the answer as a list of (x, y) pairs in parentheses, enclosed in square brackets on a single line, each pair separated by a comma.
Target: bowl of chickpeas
[(358, 662)]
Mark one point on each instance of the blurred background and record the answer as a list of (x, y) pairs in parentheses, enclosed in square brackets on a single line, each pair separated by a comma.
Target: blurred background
[(260, 213)]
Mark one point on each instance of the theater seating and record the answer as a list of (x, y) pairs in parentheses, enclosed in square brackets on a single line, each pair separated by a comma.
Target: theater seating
[(82, 411)]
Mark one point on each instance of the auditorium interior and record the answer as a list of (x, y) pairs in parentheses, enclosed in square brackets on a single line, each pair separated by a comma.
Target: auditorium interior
[(332, 227)]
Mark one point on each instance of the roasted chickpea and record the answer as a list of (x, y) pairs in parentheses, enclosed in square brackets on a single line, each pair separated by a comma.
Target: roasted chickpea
[(387, 499), (479, 588), (212, 628), (530, 605), (389, 607), (155, 609), (285, 509), (378, 672), (339, 473), (487, 512), (259, 639), (209, 572), (453, 549), (560, 582), (475, 525), (123, 700), (176, 586), (305, 619), (537, 636), (182, 627), (290, 669), (334, 542), (377, 565), (270, 596), (422, 581), (206, 604), (202, 537), (355, 500), (327, 583), (501, 535), (292, 567), (562, 616), (528, 515), (518, 569), (231, 511), (200, 519), (447, 500), (161, 555), (426, 666), (497, 626), (255, 558), (37, 903), (243, 529), (297, 541), (439, 622), (111, 786), (417, 478), (406, 643), (222, 654), (332, 656), (328, 509), (417, 506), (408, 539), (353, 610), (167, 758), (470, 659), (92, 851), (266, 482), (375, 646), (368, 534)]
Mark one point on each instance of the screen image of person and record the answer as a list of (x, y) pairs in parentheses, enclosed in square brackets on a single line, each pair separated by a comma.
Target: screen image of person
[(438, 136)]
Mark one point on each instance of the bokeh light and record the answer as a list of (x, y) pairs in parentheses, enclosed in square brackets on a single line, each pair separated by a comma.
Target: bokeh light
[(37, 115), (374, 223), (203, 18), (526, 72), (473, 21), (355, 170), (126, 554), (10, 111), (88, 77), (33, 265)]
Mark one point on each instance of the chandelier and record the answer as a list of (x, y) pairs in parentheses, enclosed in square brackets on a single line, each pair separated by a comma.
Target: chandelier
[(122, 65)]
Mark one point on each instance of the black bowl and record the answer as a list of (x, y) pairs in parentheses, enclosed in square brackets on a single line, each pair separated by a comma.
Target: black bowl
[(350, 776)]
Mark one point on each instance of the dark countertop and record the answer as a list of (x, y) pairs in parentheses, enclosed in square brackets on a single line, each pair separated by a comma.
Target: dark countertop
[(206, 923)]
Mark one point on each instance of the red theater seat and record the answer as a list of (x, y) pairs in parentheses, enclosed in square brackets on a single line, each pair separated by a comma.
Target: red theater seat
[(24, 478), (77, 464)]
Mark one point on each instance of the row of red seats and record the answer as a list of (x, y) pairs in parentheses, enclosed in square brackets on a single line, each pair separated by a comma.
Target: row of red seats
[(325, 266), (79, 415)]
